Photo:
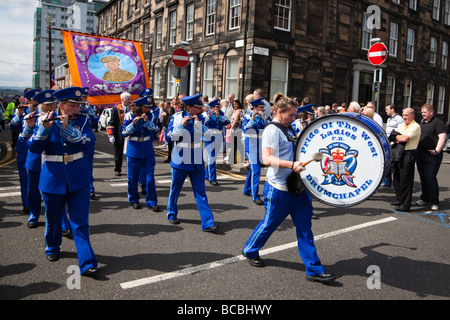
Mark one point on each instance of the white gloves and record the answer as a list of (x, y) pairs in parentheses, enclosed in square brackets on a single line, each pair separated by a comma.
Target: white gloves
[(112, 139)]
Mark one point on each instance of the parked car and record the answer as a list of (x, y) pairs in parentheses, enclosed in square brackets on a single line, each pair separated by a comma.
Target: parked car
[(104, 119)]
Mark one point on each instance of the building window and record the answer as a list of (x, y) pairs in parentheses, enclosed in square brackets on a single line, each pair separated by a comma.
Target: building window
[(173, 28), (344, 22), (396, 1), (390, 90), (283, 15), (430, 93), (208, 77), (136, 33), (158, 24), (413, 4), (171, 84), (235, 14), (190, 22), (232, 76), (316, 13), (407, 93), (447, 12), (156, 81), (444, 58), (441, 100), (410, 44), (393, 39), (436, 8), (210, 17), (366, 33), (433, 50), (279, 76)]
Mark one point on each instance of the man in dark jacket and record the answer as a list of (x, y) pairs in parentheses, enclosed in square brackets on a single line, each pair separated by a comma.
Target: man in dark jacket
[(114, 130)]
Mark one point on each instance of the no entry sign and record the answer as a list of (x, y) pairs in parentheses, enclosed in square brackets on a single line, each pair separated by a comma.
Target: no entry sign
[(377, 53), (180, 58)]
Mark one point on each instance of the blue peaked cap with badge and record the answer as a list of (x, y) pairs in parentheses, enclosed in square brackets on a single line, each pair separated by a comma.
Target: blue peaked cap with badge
[(309, 108), (257, 102), (85, 91), (72, 94), (146, 92), (31, 93), (144, 101), (45, 97), (214, 103), (195, 99)]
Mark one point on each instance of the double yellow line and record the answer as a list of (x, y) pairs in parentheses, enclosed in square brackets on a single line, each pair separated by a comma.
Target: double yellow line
[(7, 159)]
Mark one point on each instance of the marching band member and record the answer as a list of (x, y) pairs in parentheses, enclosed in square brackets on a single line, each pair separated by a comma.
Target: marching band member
[(277, 154), (186, 129), (17, 125), (66, 175), (140, 129), (252, 124), (215, 121)]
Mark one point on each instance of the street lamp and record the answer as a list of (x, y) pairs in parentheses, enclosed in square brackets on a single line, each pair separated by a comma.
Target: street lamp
[(49, 20)]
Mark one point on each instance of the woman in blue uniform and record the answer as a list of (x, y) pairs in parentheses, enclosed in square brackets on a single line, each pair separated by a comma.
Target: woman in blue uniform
[(46, 103), (66, 176), (277, 154), (253, 125), (140, 129), (186, 130), (17, 124), (215, 121)]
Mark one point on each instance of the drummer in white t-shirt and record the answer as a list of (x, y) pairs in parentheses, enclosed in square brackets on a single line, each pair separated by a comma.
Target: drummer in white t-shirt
[(277, 153)]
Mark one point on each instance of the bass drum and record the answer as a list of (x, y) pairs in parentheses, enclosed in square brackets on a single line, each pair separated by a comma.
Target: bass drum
[(355, 158)]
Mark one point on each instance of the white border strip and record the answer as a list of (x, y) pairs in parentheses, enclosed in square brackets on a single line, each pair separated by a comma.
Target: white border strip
[(211, 265)]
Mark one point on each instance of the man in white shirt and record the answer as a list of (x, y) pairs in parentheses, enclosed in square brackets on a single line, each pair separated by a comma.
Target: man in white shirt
[(392, 123), (376, 116), (258, 93)]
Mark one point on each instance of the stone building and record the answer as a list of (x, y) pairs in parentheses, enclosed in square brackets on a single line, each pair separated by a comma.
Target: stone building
[(314, 48)]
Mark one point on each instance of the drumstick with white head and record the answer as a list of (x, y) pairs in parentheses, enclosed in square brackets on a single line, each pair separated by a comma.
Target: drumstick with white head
[(316, 157)]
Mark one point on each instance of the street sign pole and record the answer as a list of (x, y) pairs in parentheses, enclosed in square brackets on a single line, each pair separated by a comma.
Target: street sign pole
[(377, 55)]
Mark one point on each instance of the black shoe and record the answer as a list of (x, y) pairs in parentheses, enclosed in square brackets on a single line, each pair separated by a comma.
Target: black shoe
[(402, 208), (323, 277), (155, 208), (32, 225), (259, 202), (214, 183), (53, 257), (67, 233), (118, 174), (92, 195), (314, 216), (211, 229), (396, 203), (167, 161), (255, 262), (90, 272), (174, 221), (135, 205)]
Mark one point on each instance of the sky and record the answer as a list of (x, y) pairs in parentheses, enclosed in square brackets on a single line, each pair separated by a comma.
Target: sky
[(16, 42)]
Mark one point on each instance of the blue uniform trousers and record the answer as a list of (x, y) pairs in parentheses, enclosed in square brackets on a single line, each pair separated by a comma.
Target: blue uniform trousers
[(210, 172), (34, 200), (278, 205), (23, 179), (251, 186), (135, 169), (78, 207), (198, 186)]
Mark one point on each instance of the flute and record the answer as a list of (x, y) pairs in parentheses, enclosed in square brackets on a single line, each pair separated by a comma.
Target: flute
[(72, 117), (35, 116)]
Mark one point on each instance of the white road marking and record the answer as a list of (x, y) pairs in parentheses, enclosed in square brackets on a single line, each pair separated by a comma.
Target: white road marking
[(215, 264)]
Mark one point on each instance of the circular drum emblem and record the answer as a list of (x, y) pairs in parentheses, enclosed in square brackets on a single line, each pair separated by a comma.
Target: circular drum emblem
[(355, 158)]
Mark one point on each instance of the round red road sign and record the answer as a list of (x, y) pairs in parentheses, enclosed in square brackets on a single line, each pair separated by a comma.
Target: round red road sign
[(377, 54), (180, 58)]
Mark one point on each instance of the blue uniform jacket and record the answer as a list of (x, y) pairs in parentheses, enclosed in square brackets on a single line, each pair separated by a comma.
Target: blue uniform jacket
[(34, 160), (216, 123), (58, 177), (17, 124), (252, 132), (143, 130), (187, 152)]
